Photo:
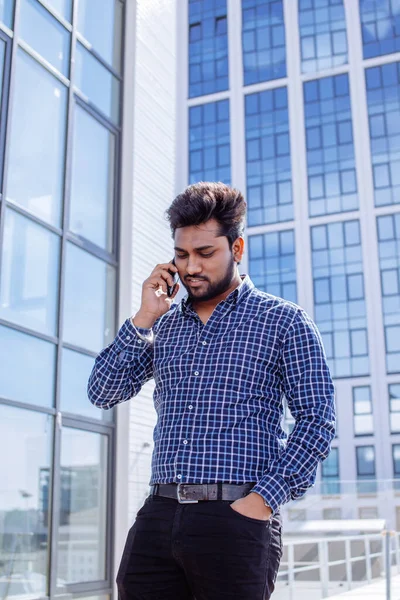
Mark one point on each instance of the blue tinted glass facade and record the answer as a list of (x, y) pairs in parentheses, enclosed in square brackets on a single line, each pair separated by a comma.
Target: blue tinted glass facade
[(272, 263), (330, 473), (332, 185), (269, 185), (323, 39), (209, 142), (389, 256), (208, 47), (383, 98), (380, 24), (263, 36), (339, 300)]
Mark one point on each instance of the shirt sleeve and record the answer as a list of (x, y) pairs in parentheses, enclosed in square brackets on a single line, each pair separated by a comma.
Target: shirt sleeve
[(310, 394), (121, 369)]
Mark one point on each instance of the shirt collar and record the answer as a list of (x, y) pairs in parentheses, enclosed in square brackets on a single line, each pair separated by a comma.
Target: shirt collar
[(235, 297)]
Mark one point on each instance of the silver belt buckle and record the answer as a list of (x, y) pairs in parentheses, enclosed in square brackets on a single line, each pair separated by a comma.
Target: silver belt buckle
[(183, 500)]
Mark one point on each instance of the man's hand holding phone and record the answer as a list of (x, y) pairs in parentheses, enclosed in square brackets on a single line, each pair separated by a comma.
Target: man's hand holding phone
[(158, 293)]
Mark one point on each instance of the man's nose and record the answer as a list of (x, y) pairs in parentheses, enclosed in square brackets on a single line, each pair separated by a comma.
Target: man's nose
[(193, 267)]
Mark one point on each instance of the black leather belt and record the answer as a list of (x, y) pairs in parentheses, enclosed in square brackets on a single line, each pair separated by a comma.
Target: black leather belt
[(190, 493)]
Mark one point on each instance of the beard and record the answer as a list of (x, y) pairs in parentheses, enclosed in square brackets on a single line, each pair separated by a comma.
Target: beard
[(213, 289)]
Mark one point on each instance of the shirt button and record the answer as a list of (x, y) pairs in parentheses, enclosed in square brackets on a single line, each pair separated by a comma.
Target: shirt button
[(128, 337), (196, 373), (179, 476), (185, 442), (204, 343), (190, 407), (121, 355), (139, 341)]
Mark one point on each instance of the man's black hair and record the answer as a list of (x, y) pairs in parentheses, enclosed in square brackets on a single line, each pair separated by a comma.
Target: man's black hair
[(203, 201)]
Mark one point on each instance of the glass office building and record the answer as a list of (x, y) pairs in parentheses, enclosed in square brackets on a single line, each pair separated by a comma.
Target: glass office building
[(60, 125), (311, 113)]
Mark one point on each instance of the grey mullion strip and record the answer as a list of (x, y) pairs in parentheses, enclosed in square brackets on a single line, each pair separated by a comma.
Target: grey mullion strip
[(88, 46), (89, 587), (25, 212), (90, 247), (56, 479), (32, 332), (3, 125), (85, 423), (56, 15), (76, 422), (79, 349), (4, 104), (111, 476), (26, 406), (10, 68), (6, 30), (43, 62), (95, 112)]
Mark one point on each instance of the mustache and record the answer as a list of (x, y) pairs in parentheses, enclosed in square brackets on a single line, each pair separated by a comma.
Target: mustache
[(189, 277)]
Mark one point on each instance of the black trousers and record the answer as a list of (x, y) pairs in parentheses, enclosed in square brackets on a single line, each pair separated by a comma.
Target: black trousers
[(203, 551)]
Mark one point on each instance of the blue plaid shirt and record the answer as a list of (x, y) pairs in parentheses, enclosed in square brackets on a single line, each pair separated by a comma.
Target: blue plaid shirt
[(219, 389)]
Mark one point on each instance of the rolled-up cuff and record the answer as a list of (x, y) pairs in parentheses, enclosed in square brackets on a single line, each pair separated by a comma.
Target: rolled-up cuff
[(274, 490)]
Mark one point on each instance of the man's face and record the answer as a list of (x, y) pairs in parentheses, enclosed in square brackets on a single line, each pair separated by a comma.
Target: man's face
[(205, 262)]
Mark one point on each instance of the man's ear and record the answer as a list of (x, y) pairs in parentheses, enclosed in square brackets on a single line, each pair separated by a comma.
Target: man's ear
[(238, 249)]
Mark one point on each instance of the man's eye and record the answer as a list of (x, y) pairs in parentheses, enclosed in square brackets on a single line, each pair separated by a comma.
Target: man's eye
[(207, 255)]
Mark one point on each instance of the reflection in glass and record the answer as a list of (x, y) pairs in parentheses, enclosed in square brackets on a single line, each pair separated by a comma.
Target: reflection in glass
[(380, 27), (268, 164), (330, 473), (97, 83), (63, 7), (29, 274), (209, 142), (36, 162), (100, 23), (275, 269), (83, 507), (208, 47), (339, 299), (7, 13), (323, 40), (89, 304), (75, 371), (362, 409), (36, 356), (389, 257), (24, 502), (45, 34), (92, 186)]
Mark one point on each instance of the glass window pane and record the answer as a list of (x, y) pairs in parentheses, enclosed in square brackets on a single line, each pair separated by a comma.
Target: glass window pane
[(93, 181), (2, 59), (24, 502), (37, 142), (37, 357), (100, 23), (63, 7), (45, 34), (97, 83), (75, 371), (7, 13), (365, 461), (29, 274), (83, 509), (89, 304), (363, 425)]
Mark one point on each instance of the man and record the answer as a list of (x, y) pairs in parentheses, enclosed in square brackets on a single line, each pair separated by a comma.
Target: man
[(222, 360)]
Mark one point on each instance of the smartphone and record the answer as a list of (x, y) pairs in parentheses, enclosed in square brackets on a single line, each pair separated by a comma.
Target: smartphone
[(171, 288)]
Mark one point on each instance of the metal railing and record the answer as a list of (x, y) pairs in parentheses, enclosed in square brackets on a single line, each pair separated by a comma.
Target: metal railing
[(318, 568)]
